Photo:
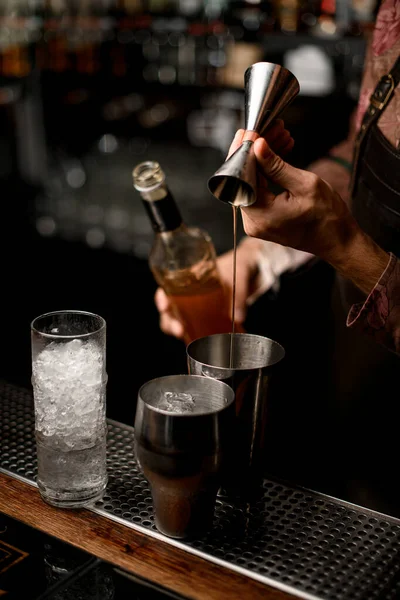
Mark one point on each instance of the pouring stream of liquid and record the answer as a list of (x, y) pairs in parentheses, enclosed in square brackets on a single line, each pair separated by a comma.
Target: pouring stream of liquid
[(235, 213)]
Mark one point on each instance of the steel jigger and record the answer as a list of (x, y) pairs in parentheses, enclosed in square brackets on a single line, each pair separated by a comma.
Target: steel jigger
[(269, 88)]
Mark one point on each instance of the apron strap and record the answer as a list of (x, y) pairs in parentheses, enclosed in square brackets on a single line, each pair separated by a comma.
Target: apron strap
[(378, 101)]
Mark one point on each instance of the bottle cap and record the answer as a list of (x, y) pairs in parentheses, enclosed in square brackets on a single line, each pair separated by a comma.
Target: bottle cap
[(147, 176)]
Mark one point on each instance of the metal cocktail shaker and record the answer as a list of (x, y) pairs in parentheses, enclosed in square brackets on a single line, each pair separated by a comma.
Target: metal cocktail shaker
[(183, 432), (247, 363)]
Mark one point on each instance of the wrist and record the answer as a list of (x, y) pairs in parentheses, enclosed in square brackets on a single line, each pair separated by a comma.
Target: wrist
[(362, 261), (343, 162), (343, 150)]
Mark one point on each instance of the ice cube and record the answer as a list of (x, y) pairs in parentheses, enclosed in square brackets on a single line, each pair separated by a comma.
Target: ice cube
[(177, 402), (68, 386)]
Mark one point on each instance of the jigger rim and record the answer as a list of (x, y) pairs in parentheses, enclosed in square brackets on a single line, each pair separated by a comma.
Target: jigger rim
[(216, 179), (252, 336), (189, 377), (58, 336)]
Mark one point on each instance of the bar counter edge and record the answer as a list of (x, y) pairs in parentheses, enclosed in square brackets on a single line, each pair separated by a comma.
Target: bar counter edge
[(146, 557)]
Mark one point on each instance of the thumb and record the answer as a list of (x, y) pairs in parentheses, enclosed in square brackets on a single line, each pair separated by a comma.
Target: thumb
[(275, 168)]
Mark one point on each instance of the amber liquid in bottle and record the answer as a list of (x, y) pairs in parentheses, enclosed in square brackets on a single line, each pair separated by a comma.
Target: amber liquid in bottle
[(183, 260), (201, 302)]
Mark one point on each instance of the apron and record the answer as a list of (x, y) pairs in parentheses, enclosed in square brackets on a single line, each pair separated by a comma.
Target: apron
[(334, 415), (366, 376)]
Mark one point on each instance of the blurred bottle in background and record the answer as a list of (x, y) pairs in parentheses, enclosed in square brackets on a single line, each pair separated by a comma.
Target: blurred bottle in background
[(20, 93), (183, 259)]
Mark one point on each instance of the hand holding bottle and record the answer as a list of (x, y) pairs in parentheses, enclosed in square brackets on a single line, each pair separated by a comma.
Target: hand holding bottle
[(247, 257), (182, 260), (246, 272)]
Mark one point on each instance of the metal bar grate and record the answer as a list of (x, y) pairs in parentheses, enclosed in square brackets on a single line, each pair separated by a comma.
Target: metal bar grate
[(293, 539)]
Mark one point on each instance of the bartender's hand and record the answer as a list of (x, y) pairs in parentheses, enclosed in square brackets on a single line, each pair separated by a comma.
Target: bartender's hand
[(247, 269), (309, 216), (247, 256)]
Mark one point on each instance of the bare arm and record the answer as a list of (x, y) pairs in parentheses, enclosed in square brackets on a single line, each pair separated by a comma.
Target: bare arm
[(361, 261)]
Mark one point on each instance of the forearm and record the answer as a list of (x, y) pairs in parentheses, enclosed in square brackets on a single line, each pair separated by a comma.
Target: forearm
[(361, 261)]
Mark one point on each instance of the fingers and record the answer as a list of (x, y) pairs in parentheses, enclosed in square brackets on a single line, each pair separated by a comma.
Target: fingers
[(276, 169), (161, 300), (285, 148), (279, 138), (237, 140), (274, 131), (169, 324)]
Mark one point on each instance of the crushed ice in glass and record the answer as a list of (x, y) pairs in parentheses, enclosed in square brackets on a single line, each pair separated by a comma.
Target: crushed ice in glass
[(177, 402), (68, 390)]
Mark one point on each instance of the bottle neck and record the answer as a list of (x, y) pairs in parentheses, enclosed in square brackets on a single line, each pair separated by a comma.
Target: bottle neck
[(162, 210)]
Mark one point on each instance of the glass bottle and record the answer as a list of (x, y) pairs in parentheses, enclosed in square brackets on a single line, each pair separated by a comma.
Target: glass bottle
[(182, 259)]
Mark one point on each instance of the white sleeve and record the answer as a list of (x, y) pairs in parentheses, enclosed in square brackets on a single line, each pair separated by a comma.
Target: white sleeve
[(274, 260)]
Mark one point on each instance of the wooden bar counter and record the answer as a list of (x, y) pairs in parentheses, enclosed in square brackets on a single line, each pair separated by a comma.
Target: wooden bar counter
[(137, 553)]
